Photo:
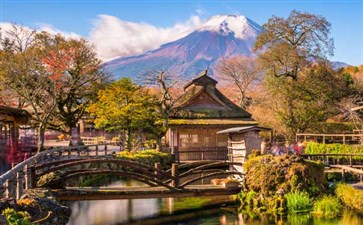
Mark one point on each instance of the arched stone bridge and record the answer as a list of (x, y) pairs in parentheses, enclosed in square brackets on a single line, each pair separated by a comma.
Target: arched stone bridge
[(177, 181)]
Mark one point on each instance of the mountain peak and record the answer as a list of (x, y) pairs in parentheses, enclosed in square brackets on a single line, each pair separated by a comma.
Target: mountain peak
[(238, 25)]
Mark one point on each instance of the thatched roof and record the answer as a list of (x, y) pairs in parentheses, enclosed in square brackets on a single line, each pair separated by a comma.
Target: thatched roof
[(203, 100), (214, 122), (20, 115)]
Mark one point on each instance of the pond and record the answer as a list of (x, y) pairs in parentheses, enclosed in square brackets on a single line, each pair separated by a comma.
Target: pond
[(185, 211)]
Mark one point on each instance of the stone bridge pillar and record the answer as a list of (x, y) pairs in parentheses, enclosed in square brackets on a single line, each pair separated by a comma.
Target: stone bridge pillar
[(19, 184), (29, 177), (10, 187)]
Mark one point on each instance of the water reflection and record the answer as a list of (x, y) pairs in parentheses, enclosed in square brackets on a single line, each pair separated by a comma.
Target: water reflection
[(112, 211), (186, 211)]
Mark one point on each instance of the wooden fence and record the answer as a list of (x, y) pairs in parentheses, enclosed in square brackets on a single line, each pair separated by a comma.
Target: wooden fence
[(202, 153)]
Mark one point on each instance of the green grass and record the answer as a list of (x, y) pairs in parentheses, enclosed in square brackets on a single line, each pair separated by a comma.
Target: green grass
[(298, 202), (328, 207)]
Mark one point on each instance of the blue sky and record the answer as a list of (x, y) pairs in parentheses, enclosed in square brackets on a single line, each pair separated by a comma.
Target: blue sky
[(82, 17)]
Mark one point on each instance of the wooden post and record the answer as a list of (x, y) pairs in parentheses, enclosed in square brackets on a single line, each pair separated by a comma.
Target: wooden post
[(343, 139), (343, 175), (327, 160), (323, 139), (157, 167), (105, 149), (175, 174), (19, 184), (96, 150), (350, 160)]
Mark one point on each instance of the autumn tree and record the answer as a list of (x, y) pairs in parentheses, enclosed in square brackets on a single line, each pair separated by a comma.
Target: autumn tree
[(242, 72), (76, 71), (296, 106), (125, 108), (24, 74), (290, 45)]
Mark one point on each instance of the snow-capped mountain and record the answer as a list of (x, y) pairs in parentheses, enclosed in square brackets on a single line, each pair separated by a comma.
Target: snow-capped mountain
[(220, 36)]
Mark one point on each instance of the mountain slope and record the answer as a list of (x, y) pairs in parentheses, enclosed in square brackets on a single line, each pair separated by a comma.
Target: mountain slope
[(220, 36)]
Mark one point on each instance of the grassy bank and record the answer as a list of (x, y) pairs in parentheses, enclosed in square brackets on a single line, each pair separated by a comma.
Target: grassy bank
[(351, 197)]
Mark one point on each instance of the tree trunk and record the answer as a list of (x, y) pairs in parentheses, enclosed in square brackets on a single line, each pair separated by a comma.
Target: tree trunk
[(159, 144), (75, 139), (128, 140), (41, 137)]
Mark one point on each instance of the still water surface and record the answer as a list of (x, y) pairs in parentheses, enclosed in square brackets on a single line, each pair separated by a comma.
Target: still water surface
[(187, 211)]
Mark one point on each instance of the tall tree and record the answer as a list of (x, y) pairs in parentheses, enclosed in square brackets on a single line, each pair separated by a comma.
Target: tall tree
[(24, 74), (77, 74), (290, 45), (295, 106), (164, 82), (242, 72), (125, 108)]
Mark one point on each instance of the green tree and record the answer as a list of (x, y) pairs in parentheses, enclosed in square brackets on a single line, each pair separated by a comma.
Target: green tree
[(126, 108), (292, 44)]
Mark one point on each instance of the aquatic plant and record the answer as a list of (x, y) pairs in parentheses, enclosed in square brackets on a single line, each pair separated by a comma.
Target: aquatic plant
[(328, 207), (298, 202)]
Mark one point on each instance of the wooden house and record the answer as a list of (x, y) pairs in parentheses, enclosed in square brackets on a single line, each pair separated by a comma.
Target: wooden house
[(197, 116), (10, 120), (241, 142)]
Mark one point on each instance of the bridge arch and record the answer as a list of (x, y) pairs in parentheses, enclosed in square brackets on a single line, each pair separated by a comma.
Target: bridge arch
[(144, 173)]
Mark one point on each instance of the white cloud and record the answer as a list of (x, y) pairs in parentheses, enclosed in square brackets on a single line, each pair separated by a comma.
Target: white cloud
[(41, 27), (114, 37), (52, 30)]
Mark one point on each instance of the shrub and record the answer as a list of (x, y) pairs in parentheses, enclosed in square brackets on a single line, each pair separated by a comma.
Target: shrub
[(327, 206), (351, 197), (16, 217), (298, 202), (318, 148), (149, 157), (267, 174)]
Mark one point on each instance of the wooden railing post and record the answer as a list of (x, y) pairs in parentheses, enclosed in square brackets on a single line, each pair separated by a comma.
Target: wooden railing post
[(96, 150), (343, 175), (175, 174), (19, 184), (350, 160), (105, 149)]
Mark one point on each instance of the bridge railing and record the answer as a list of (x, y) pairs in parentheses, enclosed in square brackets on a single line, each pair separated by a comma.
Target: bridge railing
[(24, 175), (20, 176)]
